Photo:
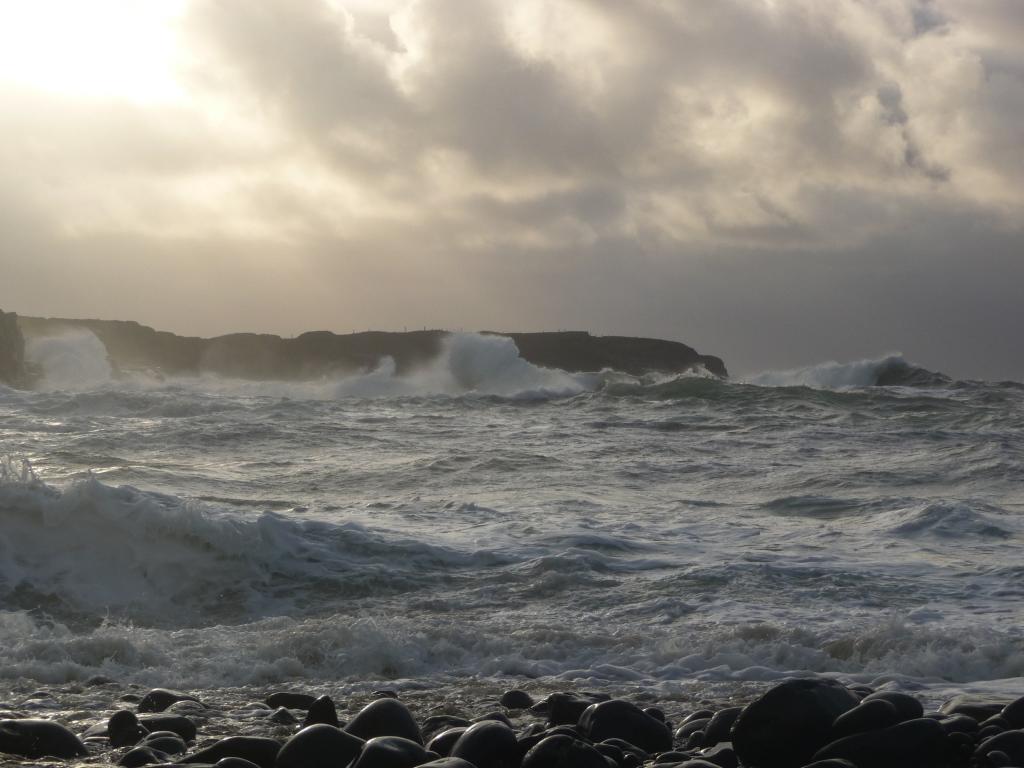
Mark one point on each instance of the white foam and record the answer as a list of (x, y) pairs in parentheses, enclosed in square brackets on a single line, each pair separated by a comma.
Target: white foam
[(368, 649), (94, 549), (73, 360), (829, 375), (951, 520), (199, 597), (468, 364)]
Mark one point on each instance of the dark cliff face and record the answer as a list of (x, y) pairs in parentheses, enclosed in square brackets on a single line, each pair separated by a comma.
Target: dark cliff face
[(12, 351), (579, 351), (322, 353)]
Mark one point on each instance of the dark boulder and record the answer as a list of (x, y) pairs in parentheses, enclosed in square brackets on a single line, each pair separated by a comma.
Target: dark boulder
[(998, 759), (489, 744), (622, 720), (629, 748), (322, 711), (656, 712), (979, 709), (562, 708), (906, 705), (159, 699), (875, 715), (179, 724), (671, 757), (516, 699), (319, 746), (1013, 713), (957, 723), (996, 721), (385, 717), (124, 729), (256, 749), (611, 752), (722, 755), (282, 716), (1009, 742), (139, 756), (39, 738), (790, 722), (564, 752), (694, 741), (683, 732), (700, 714), (920, 743), (444, 741), (393, 752), (720, 726), (167, 742)]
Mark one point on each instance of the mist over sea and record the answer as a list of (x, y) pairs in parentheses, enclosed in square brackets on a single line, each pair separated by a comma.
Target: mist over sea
[(485, 520)]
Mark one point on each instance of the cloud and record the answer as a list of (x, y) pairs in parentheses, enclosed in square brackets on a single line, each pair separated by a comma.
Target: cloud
[(772, 170)]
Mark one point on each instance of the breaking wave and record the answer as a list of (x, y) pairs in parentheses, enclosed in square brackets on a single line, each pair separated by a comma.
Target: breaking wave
[(952, 520), (369, 650), (469, 363), (90, 549), (73, 360), (890, 371)]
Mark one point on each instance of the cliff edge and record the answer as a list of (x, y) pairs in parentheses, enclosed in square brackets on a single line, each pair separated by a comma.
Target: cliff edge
[(131, 345), (12, 352)]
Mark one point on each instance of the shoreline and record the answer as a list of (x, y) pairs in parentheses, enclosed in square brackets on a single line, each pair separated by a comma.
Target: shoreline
[(245, 712)]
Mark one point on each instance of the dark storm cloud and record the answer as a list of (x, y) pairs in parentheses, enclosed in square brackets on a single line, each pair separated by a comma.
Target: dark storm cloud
[(775, 181)]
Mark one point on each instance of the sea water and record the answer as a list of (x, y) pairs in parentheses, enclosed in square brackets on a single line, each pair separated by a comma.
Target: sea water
[(487, 522)]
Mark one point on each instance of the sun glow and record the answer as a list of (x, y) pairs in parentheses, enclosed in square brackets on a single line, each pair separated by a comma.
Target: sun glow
[(92, 48)]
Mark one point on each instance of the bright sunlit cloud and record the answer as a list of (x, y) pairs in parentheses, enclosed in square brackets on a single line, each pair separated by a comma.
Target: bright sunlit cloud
[(678, 168), (92, 48)]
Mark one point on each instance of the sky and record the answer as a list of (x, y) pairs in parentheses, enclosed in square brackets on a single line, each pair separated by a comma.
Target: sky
[(777, 182)]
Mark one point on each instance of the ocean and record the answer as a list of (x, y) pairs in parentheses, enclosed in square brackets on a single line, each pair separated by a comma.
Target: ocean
[(485, 523)]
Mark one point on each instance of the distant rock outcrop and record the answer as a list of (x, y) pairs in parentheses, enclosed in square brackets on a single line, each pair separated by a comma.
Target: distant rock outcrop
[(322, 353), (579, 351), (12, 351)]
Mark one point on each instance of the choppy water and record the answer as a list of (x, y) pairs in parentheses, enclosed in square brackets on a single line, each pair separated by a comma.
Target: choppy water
[(486, 519)]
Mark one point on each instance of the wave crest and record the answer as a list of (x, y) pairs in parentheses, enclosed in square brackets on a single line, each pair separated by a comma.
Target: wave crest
[(73, 360), (468, 364), (92, 549), (889, 371)]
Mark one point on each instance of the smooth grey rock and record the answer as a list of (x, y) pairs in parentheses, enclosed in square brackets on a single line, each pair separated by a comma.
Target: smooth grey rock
[(319, 746), (385, 717), (623, 720), (790, 722), (34, 739)]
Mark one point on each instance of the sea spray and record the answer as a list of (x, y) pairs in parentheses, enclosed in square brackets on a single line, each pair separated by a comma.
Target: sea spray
[(479, 518), (75, 359)]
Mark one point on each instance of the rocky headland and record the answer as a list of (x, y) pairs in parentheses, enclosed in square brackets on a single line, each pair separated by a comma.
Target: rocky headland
[(13, 371), (132, 346)]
